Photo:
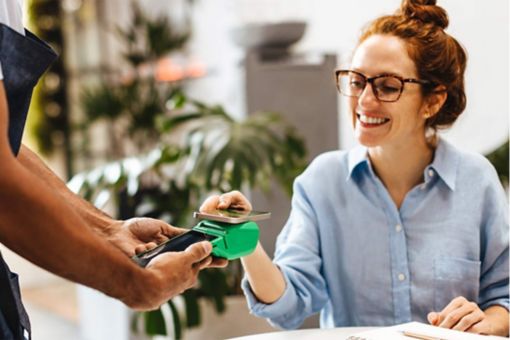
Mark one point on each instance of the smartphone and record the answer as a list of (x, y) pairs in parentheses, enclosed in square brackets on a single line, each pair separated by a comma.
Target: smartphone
[(178, 243), (232, 216)]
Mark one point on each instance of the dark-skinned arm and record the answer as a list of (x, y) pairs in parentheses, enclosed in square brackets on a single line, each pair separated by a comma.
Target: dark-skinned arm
[(40, 225), (133, 235)]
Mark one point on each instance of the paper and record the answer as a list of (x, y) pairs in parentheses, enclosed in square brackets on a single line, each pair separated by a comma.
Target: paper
[(419, 329)]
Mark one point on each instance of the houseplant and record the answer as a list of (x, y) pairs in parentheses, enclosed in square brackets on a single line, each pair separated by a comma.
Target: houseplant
[(499, 158), (185, 149), (214, 153)]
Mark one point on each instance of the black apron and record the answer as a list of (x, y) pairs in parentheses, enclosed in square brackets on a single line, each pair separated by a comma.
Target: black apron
[(24, 59)]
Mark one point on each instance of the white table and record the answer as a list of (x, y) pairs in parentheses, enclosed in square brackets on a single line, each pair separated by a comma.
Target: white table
[(341, 333)]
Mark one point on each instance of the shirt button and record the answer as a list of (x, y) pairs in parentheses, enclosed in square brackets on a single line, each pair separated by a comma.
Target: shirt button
[(401, 277), (398, 227), (431, 173)]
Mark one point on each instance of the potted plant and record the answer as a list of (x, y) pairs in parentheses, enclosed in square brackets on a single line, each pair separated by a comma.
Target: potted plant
[(184, 150), (214, 153)]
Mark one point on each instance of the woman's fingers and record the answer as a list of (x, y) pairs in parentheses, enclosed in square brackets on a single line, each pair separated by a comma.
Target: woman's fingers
[(459, 314), (234, 200), (210, 204), (433, 318), (229, 200), (454, 304), (469, 320)]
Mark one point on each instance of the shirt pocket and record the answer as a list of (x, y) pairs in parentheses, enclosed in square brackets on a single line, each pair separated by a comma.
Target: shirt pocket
[(455, 277)]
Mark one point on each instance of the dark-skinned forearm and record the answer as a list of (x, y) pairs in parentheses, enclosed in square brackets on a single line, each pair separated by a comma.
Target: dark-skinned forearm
[(93, 217), (41, 226)]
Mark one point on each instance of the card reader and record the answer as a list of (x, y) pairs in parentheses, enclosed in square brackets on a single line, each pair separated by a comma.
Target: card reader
[(229, 241)]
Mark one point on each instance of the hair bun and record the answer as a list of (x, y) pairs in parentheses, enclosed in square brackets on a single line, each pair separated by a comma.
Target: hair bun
[(425, 11)]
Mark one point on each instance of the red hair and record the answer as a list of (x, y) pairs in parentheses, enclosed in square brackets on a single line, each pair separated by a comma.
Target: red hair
[(438, 56)]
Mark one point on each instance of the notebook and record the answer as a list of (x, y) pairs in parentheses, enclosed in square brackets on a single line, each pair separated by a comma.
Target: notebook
[(418, 330)]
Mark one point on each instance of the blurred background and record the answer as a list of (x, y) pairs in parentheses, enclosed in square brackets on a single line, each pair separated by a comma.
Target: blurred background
[(155, 104)]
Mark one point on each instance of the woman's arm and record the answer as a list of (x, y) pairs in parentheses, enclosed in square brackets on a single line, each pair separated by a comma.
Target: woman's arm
[(265, 278), (291, 287), (498, 317), (490, 314)]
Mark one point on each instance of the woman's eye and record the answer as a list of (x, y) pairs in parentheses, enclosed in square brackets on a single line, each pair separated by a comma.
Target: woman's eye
[(388, 89), (356, 84), (388, 85)]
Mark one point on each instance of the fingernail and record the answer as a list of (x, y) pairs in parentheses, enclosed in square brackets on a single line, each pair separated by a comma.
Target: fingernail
[(207, 246)]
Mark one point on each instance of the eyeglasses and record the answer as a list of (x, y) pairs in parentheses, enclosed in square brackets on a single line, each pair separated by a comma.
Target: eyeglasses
[(386, 87)]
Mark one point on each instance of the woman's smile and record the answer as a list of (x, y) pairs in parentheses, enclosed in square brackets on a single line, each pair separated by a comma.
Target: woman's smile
[(369, 121)]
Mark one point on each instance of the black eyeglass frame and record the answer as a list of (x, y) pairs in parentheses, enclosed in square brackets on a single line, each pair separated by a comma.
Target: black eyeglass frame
[(370, 80)]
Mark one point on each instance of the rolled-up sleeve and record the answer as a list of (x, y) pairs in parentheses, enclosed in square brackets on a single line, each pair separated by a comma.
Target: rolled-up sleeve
[(298, 257), (278, 312), (494, 282)]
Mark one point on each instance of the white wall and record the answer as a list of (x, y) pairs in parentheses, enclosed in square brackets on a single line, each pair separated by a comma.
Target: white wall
[(481, 26)]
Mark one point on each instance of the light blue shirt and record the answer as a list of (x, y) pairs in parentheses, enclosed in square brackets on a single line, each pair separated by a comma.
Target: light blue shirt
[(348, 252)]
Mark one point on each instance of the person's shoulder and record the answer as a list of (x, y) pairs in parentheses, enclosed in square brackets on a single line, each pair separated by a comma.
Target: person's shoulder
[(325, 172), (473, 161), (330, 161), (471, 165), (327, 169)]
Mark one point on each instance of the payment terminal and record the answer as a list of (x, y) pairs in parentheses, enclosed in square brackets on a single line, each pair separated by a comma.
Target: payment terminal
[(232, 233)]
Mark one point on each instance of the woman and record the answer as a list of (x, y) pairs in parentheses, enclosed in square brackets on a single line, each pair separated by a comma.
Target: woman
[(404, 227)]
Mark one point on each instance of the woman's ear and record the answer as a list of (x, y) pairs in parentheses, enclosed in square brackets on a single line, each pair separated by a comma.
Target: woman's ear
[(435, 101)]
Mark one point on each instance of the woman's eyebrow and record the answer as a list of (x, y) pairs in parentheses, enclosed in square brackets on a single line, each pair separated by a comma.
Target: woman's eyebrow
[(377, 74)]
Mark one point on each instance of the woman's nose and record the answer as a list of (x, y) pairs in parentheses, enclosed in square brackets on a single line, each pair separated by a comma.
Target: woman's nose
[(367, 96)]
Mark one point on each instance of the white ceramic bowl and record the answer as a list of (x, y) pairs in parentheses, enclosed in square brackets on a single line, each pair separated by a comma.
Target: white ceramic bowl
[(268, 35)]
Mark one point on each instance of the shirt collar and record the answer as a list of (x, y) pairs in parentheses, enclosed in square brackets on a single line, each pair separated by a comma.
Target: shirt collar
[(357, 156), (445, 164)]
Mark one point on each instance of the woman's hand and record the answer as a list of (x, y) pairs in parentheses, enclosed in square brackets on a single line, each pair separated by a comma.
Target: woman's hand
[(266, 280), (463, 315), (229, 200)]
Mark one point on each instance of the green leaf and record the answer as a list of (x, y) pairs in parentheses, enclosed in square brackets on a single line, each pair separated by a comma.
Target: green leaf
[(176, 320), (499, 159), (178, 100), (193, 318), (134, 322), (154, 323), (214, 287), (104, 101), (174, 121)]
